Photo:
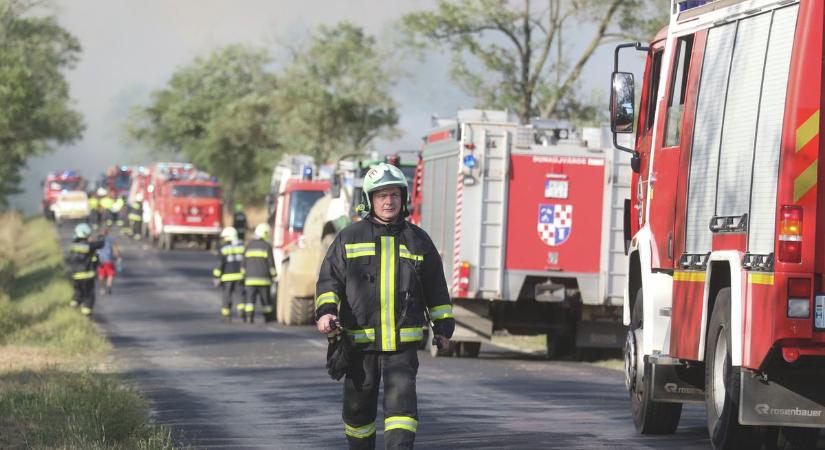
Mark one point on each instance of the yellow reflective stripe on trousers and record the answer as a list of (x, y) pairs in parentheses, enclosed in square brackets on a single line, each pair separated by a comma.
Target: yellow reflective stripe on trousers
[(387, 279), (83, 275), (232, 277), (360, 249), (412, 334), (400, 423), (362, 336), (256, 254), (360, 432), (216, 273), (326, 297), (441, 312), (404, 253), (258, 281)]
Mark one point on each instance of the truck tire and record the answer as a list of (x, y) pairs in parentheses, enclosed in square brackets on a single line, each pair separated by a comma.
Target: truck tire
[(786, 438), (722, 384), (649, 417), (280, 298), (293, 310), (170, 241), (559, 345), (470, 349)]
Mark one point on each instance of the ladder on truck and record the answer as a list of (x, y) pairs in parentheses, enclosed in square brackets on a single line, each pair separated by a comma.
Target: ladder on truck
[(495, 166)]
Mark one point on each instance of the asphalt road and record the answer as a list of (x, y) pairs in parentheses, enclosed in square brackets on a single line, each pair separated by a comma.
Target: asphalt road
[(264, 386)]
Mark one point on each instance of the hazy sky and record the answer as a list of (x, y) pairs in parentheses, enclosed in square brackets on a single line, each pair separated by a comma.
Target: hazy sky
[(131, 47)]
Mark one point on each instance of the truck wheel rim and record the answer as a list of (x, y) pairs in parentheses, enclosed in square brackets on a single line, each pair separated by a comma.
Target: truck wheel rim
[(719, 360), (630, 361)]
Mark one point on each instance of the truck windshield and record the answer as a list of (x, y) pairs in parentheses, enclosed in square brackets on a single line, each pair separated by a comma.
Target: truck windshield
[(195, 191), (122, 182), (64, 185), (300, 204)]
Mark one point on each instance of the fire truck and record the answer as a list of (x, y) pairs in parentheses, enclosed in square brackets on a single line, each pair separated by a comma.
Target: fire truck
[(294, 189), (528, 223), (57, 183), (184, 204), (117, 180), (724, 296), (333, 211)]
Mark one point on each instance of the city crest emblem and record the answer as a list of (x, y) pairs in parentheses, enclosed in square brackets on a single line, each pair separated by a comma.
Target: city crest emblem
[(555, 223)]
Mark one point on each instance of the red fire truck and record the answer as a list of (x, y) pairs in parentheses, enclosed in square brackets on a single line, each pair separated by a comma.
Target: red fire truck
[(185, 204), (55, 183), (527, 220), (724, 296), (117, 180)]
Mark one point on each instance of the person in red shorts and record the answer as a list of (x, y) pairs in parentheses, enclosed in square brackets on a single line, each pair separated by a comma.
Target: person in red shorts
[(107, 255)]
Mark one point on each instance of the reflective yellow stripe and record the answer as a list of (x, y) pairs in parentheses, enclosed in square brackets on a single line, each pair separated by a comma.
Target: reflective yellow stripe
[(805, 181), (134, 217), (216, 273), (326, 297), (807, 131), (226, 311), (387, 291), (689, 276), (258, 282), (400, 423), (240, 306), (236, 250), (256, 254), (80, 248), (232, 277), (412, 334), (267, 309), (404, 253), (85, 310), (441, 312), (250, 307), (83, 275), (362, 336), (760, 278), (360, 249), (360, 432)]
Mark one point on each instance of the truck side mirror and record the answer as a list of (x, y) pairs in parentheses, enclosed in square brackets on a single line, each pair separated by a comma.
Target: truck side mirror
[(335, 187), (621, 103)]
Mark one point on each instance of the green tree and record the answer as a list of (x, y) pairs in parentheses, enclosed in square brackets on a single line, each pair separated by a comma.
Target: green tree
[(216, 113), (333, 98), (37, 112), (528, 63)]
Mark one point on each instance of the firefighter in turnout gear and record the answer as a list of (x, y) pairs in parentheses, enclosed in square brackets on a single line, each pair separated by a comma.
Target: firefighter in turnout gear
[(82, 260), (135, 217), (229, 272), (382, 279), (106, 202), (259, 270)]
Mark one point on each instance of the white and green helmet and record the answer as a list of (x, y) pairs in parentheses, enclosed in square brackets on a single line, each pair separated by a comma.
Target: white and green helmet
[(384, 176), (82, 231)]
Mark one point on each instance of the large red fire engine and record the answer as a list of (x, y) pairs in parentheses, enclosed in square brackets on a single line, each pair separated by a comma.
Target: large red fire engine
[(527, 220), (725, 227), (185, 203), (117, 180)]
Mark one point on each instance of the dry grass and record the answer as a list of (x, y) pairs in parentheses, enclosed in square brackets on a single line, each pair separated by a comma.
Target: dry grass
[(55, 392)]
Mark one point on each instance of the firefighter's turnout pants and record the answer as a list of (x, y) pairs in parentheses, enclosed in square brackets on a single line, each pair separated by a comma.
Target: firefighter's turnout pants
[(261, 294), (366, 370), (84, 295), (232, 293)]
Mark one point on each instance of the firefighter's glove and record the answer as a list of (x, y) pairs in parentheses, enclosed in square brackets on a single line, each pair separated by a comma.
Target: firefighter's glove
[(339, 352), (216, 282)]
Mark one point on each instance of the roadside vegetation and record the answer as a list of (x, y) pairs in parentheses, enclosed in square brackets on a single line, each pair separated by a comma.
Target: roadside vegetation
[(56, 389)]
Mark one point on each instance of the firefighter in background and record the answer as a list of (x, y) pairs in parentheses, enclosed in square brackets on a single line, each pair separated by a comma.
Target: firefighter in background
[(259, 271), (229, 272), (82, 259), (106, 203), (239, 221), (135, 217), (93, 214), (378, 278), (118, 207)]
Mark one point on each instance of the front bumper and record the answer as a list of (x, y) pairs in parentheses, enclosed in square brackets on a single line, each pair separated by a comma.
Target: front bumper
[(189, 229)]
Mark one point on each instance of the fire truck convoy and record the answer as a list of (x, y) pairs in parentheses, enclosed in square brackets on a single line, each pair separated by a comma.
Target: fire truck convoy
[(184, 204), (725, 294), (528, 223), (117, 180), (61, 196)]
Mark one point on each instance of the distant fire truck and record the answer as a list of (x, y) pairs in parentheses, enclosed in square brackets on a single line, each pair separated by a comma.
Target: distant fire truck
[(117, 180), (55, 185), (185, 204), (725, 297), (528, 222)]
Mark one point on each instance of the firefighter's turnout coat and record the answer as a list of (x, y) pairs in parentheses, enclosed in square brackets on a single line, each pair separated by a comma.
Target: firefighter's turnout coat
[(230, 264), (382, 281), (259, 264), (82, 259)]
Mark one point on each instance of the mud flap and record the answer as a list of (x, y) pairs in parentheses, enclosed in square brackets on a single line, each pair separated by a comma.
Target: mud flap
[(795, 399), (668, 387)]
